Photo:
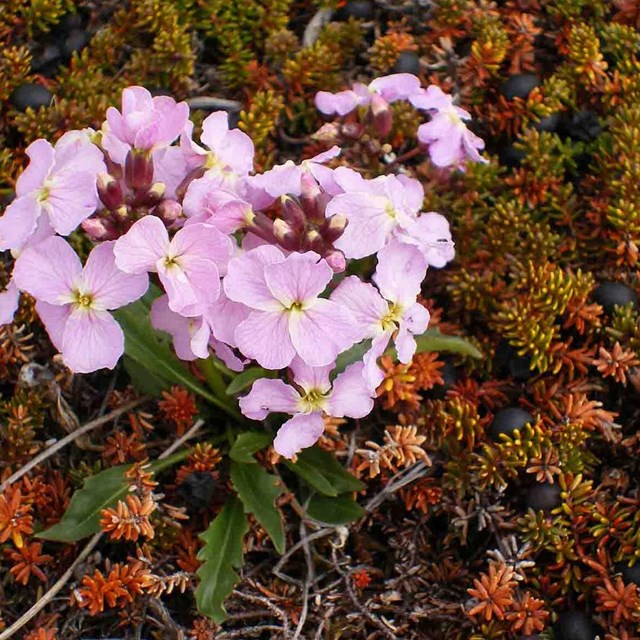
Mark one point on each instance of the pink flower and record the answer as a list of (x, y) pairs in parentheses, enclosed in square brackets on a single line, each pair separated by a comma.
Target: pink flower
[(449, 141), (57, 190), (73, 302), (189, 266), (432, 235), (375, 209), (391, 310), (312, 396), (398, 86), (287, 315), (228, 150), (146, 123)]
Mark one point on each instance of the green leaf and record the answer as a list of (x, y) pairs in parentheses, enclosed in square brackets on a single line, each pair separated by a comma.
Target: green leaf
[(258, 491), (100, 491), (245, 379), (323, 472), (221, 554), (247, 444), (340, 510), (350, 356), (433, 340), (150, 350)]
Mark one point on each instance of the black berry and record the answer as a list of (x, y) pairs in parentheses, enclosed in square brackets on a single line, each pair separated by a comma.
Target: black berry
[(31, 95), (543, 497), (519, 86), (612, 294), (360, 9), (408, 62), (450, 376), (583, 125), (75, 41), (574, 625), (197, 490), (549, 123), (47, 60), (511, 157), (508, 420)]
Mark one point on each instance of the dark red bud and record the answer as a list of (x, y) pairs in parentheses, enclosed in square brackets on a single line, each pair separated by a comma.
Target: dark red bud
[(151, 197), (352, 130), (333, 228), (286, 235), (181, 189), (138, 171), (292, 212), (110, 191), (382, 116)]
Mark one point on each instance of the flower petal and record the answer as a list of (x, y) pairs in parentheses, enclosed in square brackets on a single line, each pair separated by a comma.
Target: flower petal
[(9, 302), (110, 287), (321, 332), (366, 305), (48, 271), (40, 155), (351, 395), (18, 222), (298, 433), (142, 246), (264, 337), (92, 340), (269, 396), (54, 317), (300, 277), (400, 271)]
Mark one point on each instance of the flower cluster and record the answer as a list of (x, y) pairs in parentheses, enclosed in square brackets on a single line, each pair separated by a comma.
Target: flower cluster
[(252, 265)]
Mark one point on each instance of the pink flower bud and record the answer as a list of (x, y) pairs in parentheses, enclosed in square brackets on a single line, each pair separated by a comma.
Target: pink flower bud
[(381, 115), (285, 235), (293, 213), (152, 197), (168, 211), (336, 260), (100, 229)]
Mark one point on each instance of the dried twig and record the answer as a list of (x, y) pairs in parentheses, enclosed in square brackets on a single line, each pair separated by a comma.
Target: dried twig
[(182, 439)]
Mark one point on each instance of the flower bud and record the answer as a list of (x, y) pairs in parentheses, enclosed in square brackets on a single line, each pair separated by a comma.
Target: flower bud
[(100, 229), (194, 174), (336, 260), (292, 212), (381, 115), (168, 211), (313, 241), (285, 235), (110, 191), (333, 228), (151, 197), (138, 171), (311, 199)]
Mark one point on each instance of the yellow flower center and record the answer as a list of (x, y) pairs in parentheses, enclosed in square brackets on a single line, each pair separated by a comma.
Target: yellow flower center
[(312, 400), (389, 321), (83, 300)]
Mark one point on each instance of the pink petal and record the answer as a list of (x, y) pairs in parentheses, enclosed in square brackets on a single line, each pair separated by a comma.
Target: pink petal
[(431, 234), (351, 395), (192, 286), (76, 151), (264, 337), (269, 396), (245, 279), (92, 340), (433, 98), (370, 223), (142, 246), (325, 156), (40, 155), (366, 305), (9, 302), (298, 433), (18, 222), (48, 271), (339, 103), (321, 332), (72, 198), (373, 375), (177, 326), (224, 316), (54, 317), (226, 354), (202, 241), (400, 272), (299, 278), (414, 322), (111, 288), (311, 378), (398, 86)]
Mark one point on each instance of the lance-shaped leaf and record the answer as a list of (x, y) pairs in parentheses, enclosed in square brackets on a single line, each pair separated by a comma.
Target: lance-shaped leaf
[(258, 491), (323, 472), (340, 510), (221, 555), (100, 491), (247, 443)]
